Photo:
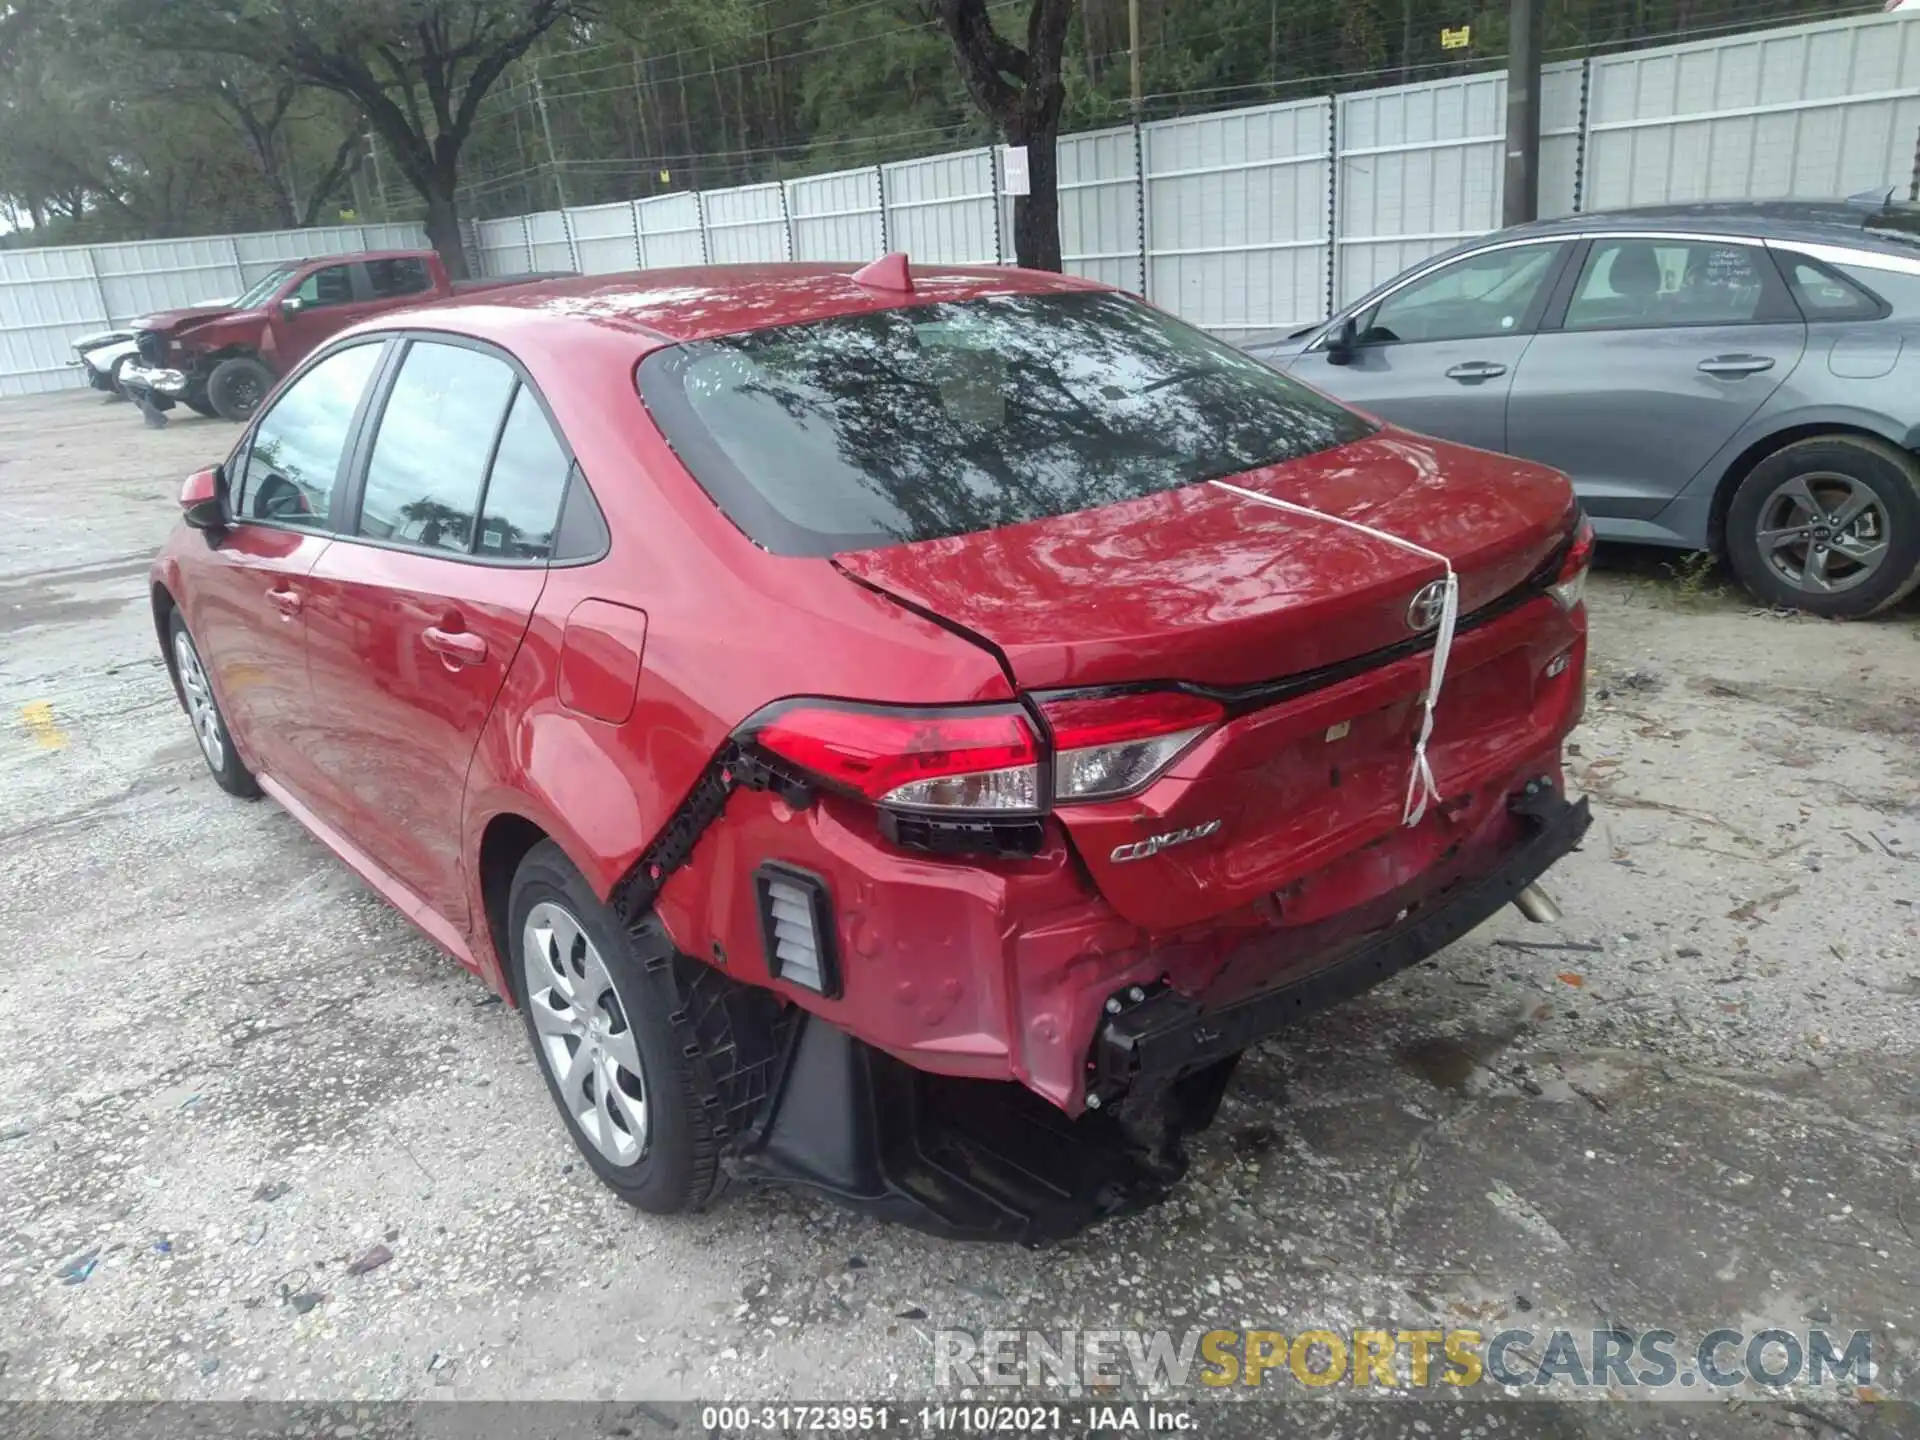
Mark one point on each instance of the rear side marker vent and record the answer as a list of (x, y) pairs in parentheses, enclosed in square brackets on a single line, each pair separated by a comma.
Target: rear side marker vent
[(796, 926)]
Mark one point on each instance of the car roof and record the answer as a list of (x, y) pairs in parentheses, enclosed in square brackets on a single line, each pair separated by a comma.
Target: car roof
[(1830, 222), (698, 302)]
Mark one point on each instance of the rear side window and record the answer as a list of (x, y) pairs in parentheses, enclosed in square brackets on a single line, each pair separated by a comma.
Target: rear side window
[(523, 493), (936, 420), (430, 455), (388, 279), (1631, 283), (293, 458), (1825, 294)]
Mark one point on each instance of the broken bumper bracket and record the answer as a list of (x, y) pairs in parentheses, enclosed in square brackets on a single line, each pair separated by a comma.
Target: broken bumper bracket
[(1169, 1034)]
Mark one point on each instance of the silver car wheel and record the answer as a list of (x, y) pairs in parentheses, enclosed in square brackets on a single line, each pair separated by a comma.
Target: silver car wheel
[(584, 1037), (199, 695), (1823, 532)]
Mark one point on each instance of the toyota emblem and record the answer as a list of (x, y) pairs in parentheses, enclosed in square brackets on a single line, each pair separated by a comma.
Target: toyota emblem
[(1423, 611)]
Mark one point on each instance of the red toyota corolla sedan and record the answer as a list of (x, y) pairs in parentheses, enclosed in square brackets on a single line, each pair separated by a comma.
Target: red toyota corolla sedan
[(904, 732)]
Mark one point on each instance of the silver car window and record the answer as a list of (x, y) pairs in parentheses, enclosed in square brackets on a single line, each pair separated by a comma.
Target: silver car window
[(1477, 296)]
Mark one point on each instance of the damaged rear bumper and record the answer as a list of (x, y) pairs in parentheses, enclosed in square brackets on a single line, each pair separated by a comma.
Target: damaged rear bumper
[(992, 1160), (1165, 1034)]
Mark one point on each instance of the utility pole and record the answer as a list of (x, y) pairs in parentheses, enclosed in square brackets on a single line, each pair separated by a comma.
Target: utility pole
[(1133, 53), (1522, 196), (546, 129)]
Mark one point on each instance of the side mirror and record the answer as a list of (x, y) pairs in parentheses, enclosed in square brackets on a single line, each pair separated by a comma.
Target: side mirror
[(291, 307), (203, 499), (1342, 343)]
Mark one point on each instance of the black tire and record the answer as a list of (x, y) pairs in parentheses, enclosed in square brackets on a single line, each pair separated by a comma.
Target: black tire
[(237, 386), (228, 770), (200, 405), (678, 1168), (113, 378), (1829, 464)]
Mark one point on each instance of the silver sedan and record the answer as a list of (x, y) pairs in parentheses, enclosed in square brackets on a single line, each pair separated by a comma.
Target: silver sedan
[(1741, 378)]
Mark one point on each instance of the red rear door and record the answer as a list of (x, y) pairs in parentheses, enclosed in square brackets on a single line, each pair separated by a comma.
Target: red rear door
[(413, 620)]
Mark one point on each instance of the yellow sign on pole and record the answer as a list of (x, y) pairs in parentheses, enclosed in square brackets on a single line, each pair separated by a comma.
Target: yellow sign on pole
[(1456, 39)]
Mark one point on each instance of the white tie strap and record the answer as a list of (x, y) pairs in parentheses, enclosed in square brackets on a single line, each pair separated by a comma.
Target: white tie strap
[(1421, 788)]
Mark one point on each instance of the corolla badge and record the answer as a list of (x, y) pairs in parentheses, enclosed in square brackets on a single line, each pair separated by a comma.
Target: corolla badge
[(1154, 844), (1423, 611)]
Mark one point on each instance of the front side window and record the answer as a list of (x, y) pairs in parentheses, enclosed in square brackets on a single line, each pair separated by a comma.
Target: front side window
[(406, 275), (941, 419), (331, 285), (293, 459), (1492, 293), (1629, 283), (430, 455)]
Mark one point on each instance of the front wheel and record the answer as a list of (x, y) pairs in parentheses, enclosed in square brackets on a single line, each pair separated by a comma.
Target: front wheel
[(1829, 525), (209, 725), (237, 386), (602, 1025)]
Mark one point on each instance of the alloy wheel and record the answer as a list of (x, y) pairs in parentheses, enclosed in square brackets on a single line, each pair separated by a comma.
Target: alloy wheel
[(1823, 532), (200, 707), (585, 1039)]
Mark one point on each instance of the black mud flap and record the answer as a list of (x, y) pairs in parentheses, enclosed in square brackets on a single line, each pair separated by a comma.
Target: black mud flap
[(962, 1159)]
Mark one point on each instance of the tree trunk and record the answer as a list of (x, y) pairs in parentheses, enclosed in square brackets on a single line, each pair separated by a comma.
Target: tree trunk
[(1036, 215), (443, 224)]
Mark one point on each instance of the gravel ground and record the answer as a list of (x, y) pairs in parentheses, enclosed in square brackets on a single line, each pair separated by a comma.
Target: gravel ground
[(233, 1072)]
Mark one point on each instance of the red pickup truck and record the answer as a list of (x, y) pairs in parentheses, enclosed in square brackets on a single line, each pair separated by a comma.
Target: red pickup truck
[(223, 359)]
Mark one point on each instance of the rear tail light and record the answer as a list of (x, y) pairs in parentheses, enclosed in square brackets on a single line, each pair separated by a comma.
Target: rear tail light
[(1570, 586), (977, 758), (1108, 747), (986, 759)]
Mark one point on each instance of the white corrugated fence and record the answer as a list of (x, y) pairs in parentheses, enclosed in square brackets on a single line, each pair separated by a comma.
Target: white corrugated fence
[(1241, 221)]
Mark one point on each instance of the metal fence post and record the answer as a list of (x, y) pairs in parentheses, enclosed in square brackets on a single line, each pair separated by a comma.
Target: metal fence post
[(239, 269), (100, 288), (526, 239), (786, 219), (566, 229), (1140, 204), (1583, 136), (999, 243), (700, 211), (1913, 189), (639, 235), (886, 229), (1333, 202)]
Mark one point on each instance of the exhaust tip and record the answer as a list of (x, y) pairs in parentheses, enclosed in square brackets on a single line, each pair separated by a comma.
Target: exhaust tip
[(1537, 906)]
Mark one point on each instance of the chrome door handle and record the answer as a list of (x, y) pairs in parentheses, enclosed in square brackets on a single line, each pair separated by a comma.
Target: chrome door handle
[(1476, 370), (456, 647), (1735, 365)]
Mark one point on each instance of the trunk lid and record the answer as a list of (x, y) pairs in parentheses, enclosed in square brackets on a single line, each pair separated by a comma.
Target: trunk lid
[(1199, 584), (1204, 586)]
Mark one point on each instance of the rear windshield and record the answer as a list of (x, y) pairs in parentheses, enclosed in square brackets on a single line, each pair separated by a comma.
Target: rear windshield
[(941, 419)]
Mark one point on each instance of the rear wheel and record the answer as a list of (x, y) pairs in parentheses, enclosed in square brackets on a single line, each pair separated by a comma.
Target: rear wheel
[(1829, 525), (200, 405), (237, 386), (602, 1025), (112, 387), (209, 725)]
